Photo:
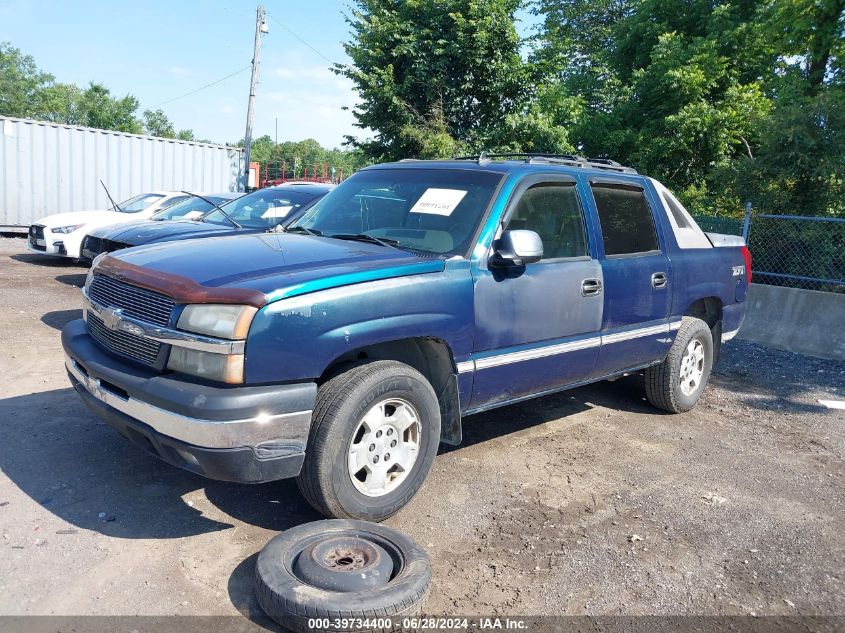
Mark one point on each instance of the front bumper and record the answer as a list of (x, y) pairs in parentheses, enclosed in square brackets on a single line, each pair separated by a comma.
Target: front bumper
[(60, 244), (244, 434)]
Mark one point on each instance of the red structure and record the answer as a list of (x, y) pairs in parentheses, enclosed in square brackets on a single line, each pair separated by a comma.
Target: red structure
[(279, 172)]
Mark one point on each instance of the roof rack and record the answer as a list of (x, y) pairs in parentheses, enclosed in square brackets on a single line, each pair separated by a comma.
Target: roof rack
[(570, 160)]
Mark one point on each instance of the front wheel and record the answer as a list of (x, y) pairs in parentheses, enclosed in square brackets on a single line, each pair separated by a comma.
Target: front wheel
[(374, 437), (676, 384)]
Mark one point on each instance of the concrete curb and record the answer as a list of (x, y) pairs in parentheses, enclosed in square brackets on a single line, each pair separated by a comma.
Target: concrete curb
[(804, 321)]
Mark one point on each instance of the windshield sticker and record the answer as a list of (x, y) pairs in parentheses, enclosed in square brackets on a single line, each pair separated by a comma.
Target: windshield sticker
[(277, 212), (439, 201)]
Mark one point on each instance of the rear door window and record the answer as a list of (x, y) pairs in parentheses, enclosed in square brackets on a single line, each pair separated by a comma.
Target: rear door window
[(627, 224)]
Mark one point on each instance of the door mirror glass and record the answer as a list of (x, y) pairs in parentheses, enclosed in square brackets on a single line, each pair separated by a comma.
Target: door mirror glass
[(517, 248)]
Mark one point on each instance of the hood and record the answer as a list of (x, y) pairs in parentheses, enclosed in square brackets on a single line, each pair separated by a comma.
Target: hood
[(276, 265), (88, 218), (153, 231)]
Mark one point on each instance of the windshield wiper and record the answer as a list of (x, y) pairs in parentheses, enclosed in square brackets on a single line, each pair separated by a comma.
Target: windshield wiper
[(301, 229), (364, 237), (114, 204), (216, 206)]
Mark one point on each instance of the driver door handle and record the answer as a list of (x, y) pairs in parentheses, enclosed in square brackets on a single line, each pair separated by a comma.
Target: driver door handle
[(590, 287), (659, 280)]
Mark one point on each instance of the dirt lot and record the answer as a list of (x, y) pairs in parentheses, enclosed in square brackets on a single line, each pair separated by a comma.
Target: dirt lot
[(587, 502)]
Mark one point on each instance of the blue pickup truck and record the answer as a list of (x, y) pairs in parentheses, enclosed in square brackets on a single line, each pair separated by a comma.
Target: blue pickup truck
[(344, 350)]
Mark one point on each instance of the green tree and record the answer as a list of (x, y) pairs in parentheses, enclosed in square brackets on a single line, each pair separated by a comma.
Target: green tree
[(667, 85), (433, 76), (22, 84), (27, 92), (156, 123), (60, 103), (100, 109), (724, 102), (298, 155), (261, 148), (801, 164), (810, 37)]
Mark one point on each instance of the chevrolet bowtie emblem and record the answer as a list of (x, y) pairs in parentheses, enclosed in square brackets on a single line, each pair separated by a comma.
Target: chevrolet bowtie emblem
[(111, 317)]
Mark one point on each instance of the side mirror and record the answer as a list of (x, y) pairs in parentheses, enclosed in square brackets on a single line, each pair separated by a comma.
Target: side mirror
[(517, 248)]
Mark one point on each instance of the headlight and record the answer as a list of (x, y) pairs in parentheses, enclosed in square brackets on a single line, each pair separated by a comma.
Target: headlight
[(90, 276), (66, 229), (221, 321), (224, 321), (228, 368)]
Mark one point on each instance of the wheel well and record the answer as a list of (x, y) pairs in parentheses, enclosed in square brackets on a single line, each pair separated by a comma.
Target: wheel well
[(431, 357), (708, 310)]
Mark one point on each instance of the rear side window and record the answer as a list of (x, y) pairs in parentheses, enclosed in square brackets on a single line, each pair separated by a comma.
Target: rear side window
[(552, 211), (627, 225), (675, 210)]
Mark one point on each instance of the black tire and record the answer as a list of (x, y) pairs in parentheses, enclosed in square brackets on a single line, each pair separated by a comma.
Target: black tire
[(296, 605), (341, 404), (662, 382)]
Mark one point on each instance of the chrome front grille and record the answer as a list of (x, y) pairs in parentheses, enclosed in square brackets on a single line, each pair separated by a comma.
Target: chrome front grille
[(139, 303), (136, 347)]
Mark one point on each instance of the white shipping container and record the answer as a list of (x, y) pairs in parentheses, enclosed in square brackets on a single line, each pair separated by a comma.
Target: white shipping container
[(48, 168)]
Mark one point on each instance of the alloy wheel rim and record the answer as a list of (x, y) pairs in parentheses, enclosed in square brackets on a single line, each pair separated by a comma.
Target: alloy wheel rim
[(384, 447), (692, 367)]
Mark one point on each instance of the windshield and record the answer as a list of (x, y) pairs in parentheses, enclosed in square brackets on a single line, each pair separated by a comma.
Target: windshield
[(431, 210), (189, 209), (139, 202), (263, 209)]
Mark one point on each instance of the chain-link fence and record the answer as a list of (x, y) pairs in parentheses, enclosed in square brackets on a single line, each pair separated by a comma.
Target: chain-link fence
[(714, 224), (790, 250)]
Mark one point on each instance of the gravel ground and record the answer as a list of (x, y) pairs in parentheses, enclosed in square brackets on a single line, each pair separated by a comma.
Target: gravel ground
[(587, 502)]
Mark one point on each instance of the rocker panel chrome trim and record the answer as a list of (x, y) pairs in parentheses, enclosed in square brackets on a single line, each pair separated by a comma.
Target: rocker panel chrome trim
[(562, 348)]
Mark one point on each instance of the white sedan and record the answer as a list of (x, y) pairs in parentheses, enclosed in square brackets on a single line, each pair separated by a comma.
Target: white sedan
[(61, 234)]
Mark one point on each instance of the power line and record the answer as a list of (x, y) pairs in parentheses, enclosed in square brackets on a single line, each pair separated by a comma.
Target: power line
[(296, 35), (188, 94), (237, 72)]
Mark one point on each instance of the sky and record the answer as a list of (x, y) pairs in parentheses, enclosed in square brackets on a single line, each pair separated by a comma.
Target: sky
[(159, 51)]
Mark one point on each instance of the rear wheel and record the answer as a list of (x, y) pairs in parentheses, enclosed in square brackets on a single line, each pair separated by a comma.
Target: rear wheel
[(676, 384), (374, 437)]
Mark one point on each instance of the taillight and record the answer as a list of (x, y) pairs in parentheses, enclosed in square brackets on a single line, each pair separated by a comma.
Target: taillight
[(746, 254)]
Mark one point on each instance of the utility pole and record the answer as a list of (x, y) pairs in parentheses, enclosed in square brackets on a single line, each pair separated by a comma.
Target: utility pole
[(260, 27)]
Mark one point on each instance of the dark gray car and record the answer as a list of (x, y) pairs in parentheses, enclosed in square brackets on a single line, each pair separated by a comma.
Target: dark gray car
[(257, 212)]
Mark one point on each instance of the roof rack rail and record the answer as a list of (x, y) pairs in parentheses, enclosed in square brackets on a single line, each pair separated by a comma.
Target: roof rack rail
[(571, 160)]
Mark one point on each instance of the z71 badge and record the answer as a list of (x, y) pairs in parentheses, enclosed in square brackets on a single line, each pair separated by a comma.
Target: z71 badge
[(738, 271)]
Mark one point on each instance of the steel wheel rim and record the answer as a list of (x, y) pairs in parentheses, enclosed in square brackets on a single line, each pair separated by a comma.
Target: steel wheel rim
[(692, 367), (384, 447), (343, 562)]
